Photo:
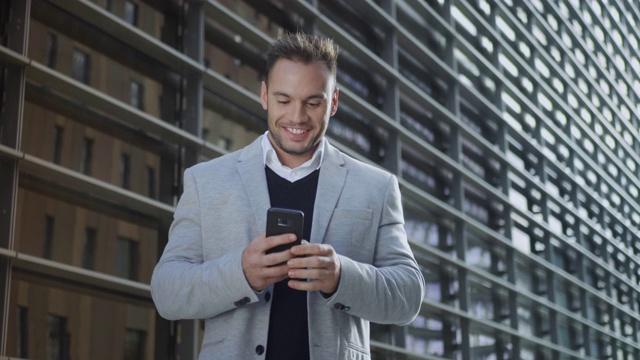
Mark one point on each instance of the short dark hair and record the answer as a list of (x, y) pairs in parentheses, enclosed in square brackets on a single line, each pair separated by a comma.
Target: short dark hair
[(303, 48)]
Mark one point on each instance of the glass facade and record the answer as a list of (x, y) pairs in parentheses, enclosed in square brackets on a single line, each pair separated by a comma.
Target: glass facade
[(512, 126)]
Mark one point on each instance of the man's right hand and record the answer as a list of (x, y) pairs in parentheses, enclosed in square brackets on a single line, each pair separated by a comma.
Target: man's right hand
[(262, 269)]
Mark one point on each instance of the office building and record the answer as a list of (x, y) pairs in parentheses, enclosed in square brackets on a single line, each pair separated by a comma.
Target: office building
[(512, 126)]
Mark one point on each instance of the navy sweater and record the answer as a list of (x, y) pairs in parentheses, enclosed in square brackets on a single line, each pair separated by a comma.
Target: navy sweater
[(288, 324)]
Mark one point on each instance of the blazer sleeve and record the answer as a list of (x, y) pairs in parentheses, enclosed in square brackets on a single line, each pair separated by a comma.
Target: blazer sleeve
[(183, 285), (391, 289)]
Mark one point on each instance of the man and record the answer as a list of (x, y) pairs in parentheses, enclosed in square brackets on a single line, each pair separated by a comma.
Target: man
[(315, 300)]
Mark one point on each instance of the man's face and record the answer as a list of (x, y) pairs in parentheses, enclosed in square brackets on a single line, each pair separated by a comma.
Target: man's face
[(299, 101)]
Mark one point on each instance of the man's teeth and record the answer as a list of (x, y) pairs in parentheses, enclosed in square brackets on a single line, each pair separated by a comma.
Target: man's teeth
[(296, 131)]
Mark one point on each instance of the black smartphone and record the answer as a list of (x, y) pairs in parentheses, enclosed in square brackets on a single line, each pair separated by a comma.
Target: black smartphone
[(284, 221)]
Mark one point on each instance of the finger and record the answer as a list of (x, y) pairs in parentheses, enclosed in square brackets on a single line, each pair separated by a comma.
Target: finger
[(308, 249), (277, 240), (299, 274), (260, 277), (260, 245), (278, 269), (309, 273), (303, 285), (280, 258), (302, 262)]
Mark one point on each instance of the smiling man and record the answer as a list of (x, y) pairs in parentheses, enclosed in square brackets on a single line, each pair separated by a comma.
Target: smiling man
[(314, 300), (299, 98)]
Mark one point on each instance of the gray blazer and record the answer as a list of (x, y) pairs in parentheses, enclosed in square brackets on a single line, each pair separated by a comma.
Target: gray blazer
[(224, 205)]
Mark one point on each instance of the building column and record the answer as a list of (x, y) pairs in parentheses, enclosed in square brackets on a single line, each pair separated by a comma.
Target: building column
[(13, 83)]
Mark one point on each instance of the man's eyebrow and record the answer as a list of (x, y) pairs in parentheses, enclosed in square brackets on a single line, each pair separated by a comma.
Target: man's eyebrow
[(310, 97), (316, 96), (280, 93)]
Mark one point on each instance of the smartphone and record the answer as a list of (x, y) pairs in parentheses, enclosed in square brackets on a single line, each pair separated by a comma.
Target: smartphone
[(284, 221)]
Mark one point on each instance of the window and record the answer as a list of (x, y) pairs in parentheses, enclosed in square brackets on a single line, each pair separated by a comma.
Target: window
[(22, 332), (58, 134), (225, 143), (51, 56), (542, 323), (58, 339), (433, 334), (48, 236), (86, 156), (137, 95), (525, 317), (81, 66), (89, 252), (125, 171), (127, 259), (131, 13), (151, 182), (134, 343)]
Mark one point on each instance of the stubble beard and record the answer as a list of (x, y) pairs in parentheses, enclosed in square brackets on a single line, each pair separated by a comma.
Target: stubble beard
[(288, 150)]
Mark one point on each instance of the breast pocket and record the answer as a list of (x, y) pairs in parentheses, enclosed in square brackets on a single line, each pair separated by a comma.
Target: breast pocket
[(351, 233)]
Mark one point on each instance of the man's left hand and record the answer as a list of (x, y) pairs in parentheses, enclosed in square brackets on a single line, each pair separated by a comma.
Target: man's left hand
[(316, 267)]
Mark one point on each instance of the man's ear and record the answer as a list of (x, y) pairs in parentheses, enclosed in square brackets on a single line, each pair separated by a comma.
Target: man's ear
[(263, 95), (334, 101)]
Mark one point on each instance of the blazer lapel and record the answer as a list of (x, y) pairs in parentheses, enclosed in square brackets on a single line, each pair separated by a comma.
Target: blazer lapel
[(251, 168), (332, 178)]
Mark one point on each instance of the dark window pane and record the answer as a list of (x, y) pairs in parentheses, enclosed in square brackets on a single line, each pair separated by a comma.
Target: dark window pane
[(81, 66), (127, 259), (58, 339), (151, 182), (88, 256), (22, 332), (125, 171), (87, 156), (131, 13), (48, 236), (136, 95), (57, 144), (134, 343), (52, 50)]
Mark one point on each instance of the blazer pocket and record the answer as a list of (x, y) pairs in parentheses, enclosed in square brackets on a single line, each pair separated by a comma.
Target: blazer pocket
[(211, 348), (349, 233)]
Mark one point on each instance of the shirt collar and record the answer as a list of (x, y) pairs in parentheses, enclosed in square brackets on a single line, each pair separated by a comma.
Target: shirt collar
[(271, 160)]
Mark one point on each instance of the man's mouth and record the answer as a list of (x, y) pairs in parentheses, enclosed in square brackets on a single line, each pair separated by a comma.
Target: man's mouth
[(296, 131)]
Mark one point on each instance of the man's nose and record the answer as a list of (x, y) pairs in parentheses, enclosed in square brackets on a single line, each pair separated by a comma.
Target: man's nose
[(299, 113)]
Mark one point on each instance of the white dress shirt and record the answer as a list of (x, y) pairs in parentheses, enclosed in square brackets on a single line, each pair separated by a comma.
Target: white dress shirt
[(271, 160)]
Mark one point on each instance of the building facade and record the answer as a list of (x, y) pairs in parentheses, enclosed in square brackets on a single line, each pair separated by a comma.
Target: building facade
[(512, 126)]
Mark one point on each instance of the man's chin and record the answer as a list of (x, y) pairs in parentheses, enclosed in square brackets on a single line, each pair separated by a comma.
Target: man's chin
[(297, 148), (297, 152)]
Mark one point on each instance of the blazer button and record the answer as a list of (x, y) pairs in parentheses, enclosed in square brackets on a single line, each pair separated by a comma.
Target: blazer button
[(259, 349), (267, 296), (244, 301)]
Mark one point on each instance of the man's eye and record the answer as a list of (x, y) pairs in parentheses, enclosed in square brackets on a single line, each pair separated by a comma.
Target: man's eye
[(283, 102), (314, 104)]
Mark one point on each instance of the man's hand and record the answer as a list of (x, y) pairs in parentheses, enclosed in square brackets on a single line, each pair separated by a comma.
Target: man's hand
[(261, 269), (317, 263)]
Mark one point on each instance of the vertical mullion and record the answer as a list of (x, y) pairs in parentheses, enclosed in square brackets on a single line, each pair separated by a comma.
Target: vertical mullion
[(10, 135)]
